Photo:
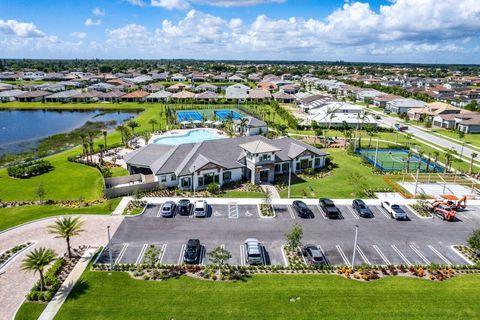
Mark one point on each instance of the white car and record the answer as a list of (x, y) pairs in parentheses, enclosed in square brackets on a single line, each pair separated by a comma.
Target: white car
[(200, 208), (394, 210)]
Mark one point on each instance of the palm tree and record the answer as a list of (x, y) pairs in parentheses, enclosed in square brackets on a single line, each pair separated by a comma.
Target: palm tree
[(101, 146), (243, 125), (84, 139), (133, 124), (37, 260), (472, 157), (409, 137), (448, 158), (409, 156), (67, 227), (104, 132), (436, 154), (153, 122), (428, 162)]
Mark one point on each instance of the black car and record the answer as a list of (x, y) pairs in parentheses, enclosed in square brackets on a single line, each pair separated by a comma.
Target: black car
[(183, 207), (302, 210), (313, 255), (193, 250), (329, 208), (168, 209), (362, 209)]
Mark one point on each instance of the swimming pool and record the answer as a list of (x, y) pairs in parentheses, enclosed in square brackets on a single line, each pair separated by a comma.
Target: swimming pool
[(192, 136)]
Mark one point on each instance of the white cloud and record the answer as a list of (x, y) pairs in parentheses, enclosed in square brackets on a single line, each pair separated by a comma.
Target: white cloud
[(98, 12), (92, 23), (235, 3), (186, 4), (20, 29), (170, 4), (78, 34)]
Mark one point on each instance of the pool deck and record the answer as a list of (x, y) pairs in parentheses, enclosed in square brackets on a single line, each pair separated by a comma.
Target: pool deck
[(181, 132)]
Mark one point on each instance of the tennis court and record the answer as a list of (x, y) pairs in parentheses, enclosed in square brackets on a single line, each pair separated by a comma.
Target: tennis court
[(189, 116), (224, 114), (397, 160)]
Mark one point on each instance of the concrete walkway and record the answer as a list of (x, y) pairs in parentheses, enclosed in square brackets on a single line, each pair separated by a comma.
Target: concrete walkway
[(121, 206), (16, 283), (56, 303), (272, 189)]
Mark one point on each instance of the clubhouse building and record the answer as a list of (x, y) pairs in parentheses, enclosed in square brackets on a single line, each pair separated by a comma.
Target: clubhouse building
[(196, 165)]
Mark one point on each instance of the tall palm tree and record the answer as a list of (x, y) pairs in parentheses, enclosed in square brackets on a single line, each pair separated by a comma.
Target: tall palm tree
[(67, 227), (133, 124), (472, 157), (429, 160), (101, 146), (84, 139), (121, 128), (104, 132), (37, 260), (153, 122), (409, 157), (243, 125), (448, 158), (436, 154)]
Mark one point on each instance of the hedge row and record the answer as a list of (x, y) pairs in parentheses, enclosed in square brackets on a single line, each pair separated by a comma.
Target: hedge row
[(30, 169), (52, 283)]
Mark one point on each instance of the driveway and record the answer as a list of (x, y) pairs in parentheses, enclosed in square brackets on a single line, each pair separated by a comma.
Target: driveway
[(15, 283)]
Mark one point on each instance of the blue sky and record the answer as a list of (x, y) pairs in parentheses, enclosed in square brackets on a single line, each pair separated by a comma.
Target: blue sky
[(431, 31)]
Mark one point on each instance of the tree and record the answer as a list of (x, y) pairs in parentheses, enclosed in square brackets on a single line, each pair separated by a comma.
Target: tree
[(133, 124), (152, 255), (67, 227), (219, 256), (40, 192), (472, 157), (104, 132), (153, 123), (294, 237), (37, 260), (474, 240), (436, 154)]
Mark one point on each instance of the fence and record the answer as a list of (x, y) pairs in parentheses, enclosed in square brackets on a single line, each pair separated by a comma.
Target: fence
[(128, 185)]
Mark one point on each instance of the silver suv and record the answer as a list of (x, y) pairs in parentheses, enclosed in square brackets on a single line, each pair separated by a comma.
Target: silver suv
[(253, 251)]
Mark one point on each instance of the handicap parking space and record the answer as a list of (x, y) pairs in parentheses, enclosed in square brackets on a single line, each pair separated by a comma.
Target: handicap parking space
[(218, 210), (283, 212), (248, 211)]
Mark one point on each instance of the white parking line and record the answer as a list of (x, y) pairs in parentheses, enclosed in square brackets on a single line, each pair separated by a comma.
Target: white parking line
[(420, 254), (290, 210), (303, 256), (401, 255), (142, 253), (324, 255), (242, 255), (182, 252), (441, 256), (285, 260), (264, 262), (232, 210), (159, 213), (364, 257), (379, 208), (354, 214), (462, 256), (122, 252), (203, 253), (321, 212), (162, 252), (380, 253), (344, 257)]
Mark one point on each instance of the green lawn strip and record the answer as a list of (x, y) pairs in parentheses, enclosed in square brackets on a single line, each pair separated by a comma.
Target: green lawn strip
[(11, 217), (336, 185), (468, 138), (118, 171), (101, 296), (241, 194), (30, 311)]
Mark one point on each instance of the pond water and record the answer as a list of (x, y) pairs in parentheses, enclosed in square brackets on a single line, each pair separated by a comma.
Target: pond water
[(20, 130)]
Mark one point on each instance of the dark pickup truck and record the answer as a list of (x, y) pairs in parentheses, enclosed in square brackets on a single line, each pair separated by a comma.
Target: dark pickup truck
[(329, 208)]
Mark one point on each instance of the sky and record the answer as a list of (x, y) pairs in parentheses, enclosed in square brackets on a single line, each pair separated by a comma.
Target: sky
[(414, 31)]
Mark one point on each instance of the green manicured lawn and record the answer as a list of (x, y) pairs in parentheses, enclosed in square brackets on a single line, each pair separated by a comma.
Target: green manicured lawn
[(102, 296), (119, 172), (30, 311), (241, 194), (469, 138), (336, 184), (10, 217)]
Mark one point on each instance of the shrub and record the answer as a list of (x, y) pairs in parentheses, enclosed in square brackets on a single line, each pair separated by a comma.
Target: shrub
[(30, 169), (213, 188)]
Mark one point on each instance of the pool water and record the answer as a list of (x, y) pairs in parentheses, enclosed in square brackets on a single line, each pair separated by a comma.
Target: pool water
[(192, 136)]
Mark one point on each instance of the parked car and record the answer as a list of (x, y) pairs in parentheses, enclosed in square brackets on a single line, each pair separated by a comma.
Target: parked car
[(200, 208), (313, 255), (362, 209), (394, 210), (193, 250), (184, 206), (329, 208), (302, 209), (253, 251), (168, 209)]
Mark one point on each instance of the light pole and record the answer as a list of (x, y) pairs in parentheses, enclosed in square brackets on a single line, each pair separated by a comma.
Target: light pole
[(354, 247), (376, 153), (193, 181), (289, 178), (109, 248), (416, 183), (461, 151)]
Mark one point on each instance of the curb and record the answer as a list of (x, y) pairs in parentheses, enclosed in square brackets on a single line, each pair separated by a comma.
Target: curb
[(10, 260), (418, 215), (265, 217), (462, 255)]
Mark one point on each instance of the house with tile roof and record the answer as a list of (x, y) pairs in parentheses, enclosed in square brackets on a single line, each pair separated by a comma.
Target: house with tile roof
[(196, 165)]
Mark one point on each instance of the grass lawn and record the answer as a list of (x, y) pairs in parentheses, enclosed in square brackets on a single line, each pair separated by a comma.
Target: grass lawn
[(241, 194), (119, 172), (336, 184), (10, 217), (469, 138), (30, 310), (100, 296)]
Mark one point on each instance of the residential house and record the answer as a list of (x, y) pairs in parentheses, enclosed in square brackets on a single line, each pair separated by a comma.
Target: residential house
[(259, 95), (404, 105), (10, 95), (135, 96), (250, 127), (111, 96), (269, 86), (182, 96), (337, 113), (206, 96), (236, 92), (196, 165), (206, 87), (32, 96), (63, 96), (433, 109), (87, 96), (178, 87), (283, 97), (5, 86), (381, 101), (468, 122), (235, 78), (290, 88), (159, 96)]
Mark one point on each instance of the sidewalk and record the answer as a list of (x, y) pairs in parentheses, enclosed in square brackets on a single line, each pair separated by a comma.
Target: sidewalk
[(272, 189), (121, 206), (56, 303)]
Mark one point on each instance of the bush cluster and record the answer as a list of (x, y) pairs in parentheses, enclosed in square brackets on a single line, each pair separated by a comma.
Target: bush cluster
[(30, 169), (9, 253), (52, 283)]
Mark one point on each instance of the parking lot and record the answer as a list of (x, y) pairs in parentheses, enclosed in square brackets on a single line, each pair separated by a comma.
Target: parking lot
[(381, 240)]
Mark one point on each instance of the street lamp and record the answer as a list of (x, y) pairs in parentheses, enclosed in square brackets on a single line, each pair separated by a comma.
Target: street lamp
[(289, 178), (193, 181), (461, 151), (109, 248), (354, 247)]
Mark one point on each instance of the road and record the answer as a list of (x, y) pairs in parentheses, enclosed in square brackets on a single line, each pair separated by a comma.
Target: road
[(429, 138)]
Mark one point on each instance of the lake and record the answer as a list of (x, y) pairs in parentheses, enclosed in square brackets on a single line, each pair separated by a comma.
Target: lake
[(20, 130)]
